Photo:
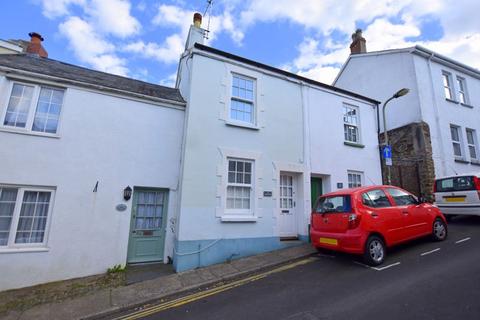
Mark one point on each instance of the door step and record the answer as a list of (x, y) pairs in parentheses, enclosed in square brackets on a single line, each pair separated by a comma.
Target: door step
[(288, 238)]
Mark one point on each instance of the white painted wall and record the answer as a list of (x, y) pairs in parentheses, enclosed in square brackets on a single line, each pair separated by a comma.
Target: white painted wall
[(115, 141), (295, 131), (439, 113), (329, 156), (379, 77), (276, 143)]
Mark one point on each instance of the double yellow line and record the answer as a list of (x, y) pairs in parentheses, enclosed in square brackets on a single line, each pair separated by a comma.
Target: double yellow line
[(200, 295)]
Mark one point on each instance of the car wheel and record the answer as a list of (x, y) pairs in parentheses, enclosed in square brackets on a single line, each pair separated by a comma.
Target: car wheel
[(375, 251), (439, 232)]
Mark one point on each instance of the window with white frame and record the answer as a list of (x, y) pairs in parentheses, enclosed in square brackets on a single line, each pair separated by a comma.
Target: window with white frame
[(354, 179), (462, 90), (447, 85), (33, 107), (23, 216), (242, 104), (456, 140), (472, 143), (239, 186), (351, 123)]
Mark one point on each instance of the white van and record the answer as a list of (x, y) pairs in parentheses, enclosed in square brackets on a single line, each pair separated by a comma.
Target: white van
[(458, 195)]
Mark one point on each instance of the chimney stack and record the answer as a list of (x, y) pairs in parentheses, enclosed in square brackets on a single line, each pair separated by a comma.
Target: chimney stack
[(35, 46), (196, 33), (359, 44)]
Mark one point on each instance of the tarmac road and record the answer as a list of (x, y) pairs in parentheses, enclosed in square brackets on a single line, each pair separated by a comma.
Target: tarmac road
[(420, 280)]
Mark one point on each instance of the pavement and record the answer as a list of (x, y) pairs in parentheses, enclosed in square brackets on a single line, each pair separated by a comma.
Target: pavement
[(419, 280), (114, 300)]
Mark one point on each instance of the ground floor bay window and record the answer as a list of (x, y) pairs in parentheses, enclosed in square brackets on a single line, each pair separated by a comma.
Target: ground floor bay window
[(24, 214)]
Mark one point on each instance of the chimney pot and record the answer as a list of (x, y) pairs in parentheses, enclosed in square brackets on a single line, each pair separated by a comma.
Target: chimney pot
[(359, 44), (35, 46), (197, 19)]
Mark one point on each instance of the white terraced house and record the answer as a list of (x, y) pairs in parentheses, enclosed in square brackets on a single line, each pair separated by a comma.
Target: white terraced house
[(436, 127)]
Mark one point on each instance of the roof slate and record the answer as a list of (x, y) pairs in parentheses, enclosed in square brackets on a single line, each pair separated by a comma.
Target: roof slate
[(54, 68)]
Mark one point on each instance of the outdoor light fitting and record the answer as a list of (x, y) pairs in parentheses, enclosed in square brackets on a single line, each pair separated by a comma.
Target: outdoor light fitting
[(127, 193), (401, 92)]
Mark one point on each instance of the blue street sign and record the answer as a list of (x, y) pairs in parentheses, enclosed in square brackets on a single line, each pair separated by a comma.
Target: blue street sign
[(387, 152)]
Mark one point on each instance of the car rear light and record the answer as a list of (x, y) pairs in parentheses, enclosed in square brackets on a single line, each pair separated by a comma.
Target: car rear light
[(353, 220), (476, 181)]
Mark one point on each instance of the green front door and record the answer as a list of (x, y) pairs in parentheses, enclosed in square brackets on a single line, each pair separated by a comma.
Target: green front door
[(147, 225), (316, 189)]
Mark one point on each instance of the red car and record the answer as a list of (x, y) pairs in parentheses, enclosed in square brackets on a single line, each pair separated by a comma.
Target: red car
[(367, 220)]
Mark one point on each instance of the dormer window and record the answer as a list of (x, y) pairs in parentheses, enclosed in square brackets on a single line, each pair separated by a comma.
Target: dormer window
[(242, 104), (35, 108)]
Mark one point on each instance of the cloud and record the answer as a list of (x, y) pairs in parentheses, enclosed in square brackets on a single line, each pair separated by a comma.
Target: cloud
[(167, 52), (169, 81), (90, 48), (57, 8), (113, 17)]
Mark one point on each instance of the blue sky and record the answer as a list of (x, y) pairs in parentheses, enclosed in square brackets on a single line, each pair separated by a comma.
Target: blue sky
[(143, 39)]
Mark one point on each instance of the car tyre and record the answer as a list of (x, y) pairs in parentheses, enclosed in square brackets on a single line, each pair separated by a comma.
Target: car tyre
[(375, 251), (439, 230)]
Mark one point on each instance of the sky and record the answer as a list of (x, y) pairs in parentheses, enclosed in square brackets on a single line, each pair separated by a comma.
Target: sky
[(143, 39)]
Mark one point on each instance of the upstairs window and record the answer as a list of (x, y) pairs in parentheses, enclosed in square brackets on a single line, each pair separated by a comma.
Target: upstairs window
[(35, 108), (456, 141), (462, 90), (351, 124), (447, 85), (472, 143), (242, 104)]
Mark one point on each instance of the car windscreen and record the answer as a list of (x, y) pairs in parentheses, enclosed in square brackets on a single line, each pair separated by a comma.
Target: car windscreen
[(463, 183), (333, 204)]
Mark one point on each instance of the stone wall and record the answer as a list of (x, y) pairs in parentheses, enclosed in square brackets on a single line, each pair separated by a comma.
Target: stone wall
[(413, 168)]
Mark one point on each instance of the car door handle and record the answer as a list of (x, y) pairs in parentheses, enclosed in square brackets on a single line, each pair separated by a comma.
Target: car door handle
[(374, 214), (405, 212)]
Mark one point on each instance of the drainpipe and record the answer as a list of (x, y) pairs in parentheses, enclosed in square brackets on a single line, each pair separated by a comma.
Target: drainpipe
[(378, 138)]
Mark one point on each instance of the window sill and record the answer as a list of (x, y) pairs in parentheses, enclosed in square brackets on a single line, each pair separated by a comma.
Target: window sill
[(461, 160), (242, 125), (452, 101), (466, 105), (29, 133), (353, 144), (475, 162), (24, 250), (238, 218)]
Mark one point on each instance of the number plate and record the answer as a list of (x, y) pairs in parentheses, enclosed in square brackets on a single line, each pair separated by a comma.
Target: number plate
[(455, 199), (329, 241)]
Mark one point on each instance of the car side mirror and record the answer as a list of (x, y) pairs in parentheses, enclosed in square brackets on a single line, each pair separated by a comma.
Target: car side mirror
[(421, 200)]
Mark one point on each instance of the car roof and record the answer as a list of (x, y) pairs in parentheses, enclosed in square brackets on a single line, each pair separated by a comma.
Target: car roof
[(477, 174), (356, 190)]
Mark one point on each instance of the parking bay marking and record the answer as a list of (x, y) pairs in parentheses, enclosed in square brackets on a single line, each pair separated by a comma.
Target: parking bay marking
[(377, 268), (429, 252), (462, 240)]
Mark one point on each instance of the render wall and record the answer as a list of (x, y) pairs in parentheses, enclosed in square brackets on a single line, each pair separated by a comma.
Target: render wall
[(379, 77), (440, 113), (112, 140)]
